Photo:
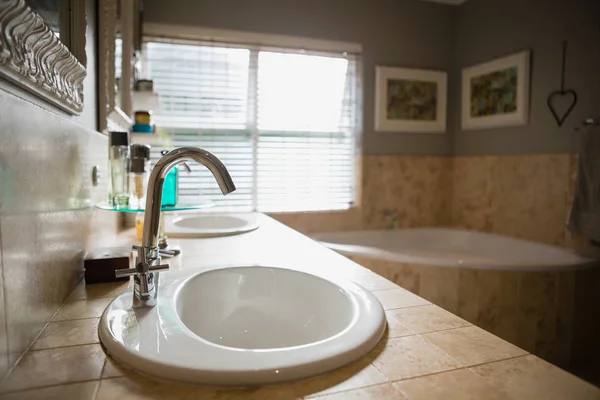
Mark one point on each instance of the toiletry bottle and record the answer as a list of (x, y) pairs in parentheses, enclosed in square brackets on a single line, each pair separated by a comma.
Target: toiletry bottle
[(118, 165), (139, 226), (139, 171), (138, 183)]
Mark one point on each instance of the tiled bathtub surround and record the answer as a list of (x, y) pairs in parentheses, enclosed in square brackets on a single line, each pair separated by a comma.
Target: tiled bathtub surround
[(550, 314), (427, 352), (414, 188), (524, 196), (45, 217)]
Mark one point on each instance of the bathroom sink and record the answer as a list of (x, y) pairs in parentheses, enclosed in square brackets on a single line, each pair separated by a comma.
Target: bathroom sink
[(246, 325), (210, 225)]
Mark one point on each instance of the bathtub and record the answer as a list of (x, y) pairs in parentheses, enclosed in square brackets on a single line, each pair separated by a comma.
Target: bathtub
[(542, 298), (454, 248)]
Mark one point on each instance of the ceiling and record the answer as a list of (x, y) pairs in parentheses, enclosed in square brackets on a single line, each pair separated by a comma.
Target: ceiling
[(449, 2)]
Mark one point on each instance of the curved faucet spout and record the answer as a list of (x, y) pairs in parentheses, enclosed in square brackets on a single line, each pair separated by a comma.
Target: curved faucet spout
[(157, 178)]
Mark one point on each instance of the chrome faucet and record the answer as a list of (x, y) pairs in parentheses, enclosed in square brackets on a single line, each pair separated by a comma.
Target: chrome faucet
[(147, 260)]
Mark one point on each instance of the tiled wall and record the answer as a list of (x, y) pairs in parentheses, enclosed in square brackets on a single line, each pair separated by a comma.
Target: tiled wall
[(525, 196), (45, 222), (415, 188)]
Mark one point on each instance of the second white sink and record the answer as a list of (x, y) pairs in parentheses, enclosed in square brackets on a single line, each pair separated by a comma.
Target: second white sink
[(210, 225)]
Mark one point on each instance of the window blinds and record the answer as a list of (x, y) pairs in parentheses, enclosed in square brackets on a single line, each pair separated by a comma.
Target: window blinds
[(284, 122)]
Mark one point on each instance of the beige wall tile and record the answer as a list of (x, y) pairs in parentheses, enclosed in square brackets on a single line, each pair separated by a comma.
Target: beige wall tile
[(529, 199), (472, 192), (525, 196), (137, 387), (98, 290), (56, 366), (412, 356), (413, 187), (398, 298), (79, 309), (74, 391), (461, 384), (439, 285), (45, 226), (379, 392), (4, 362), (425, 319), (526, 378), (472, 345), (68, 333)]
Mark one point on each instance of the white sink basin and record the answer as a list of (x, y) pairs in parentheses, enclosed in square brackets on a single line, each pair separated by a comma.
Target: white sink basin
[(243, 326), (210, 225)]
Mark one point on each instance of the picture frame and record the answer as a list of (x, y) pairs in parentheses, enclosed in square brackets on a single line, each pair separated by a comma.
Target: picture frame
[(34, 58), (410, 100), (496, 93)]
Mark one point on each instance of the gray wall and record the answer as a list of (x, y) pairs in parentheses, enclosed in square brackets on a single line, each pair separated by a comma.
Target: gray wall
[(407, 33), (487, 29)]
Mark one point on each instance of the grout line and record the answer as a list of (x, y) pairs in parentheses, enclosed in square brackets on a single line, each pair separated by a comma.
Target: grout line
[(65, 347), (504, 359), (95, 395), (68, 320), (50, 386), (4, 302)]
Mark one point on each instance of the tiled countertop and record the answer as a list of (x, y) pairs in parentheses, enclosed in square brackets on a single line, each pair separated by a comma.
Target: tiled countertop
[(427, 353)]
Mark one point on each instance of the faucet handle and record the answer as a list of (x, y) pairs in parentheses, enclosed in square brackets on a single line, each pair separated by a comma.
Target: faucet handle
[(123, 273), (162, 267)]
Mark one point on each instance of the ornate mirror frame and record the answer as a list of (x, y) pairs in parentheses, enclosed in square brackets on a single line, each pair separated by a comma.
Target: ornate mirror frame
[(33, 57)]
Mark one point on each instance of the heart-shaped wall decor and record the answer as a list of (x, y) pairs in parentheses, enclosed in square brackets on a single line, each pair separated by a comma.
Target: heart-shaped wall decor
[(561, 94)]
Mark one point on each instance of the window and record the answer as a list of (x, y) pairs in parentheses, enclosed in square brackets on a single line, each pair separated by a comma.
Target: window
[(283, 122)]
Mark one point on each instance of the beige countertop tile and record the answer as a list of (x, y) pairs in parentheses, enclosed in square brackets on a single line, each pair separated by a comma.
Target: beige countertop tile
[(411, 356), (56, 366), (459, 384), (98, 290), (73, 391), (423, 355), (379, 392), (133, 388), (399, 298), (529, 377), (68, 333), (473, 345), (429, 318), (81, 309), (395, 327)]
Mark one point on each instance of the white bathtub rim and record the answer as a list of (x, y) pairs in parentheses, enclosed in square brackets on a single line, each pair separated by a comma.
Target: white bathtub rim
[(372, 252)]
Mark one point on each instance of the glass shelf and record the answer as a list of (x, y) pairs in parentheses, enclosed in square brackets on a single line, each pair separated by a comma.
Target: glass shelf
[(179, 207)]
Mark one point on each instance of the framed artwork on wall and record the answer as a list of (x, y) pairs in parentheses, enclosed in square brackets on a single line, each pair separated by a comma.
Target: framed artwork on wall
[(496, 93), (410, 100)]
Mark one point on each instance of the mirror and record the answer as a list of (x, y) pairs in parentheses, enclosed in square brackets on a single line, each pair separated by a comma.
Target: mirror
[(33, 55)]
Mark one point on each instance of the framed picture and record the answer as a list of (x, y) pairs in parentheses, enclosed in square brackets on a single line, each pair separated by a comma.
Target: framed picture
[(410, 100), (496, 93)]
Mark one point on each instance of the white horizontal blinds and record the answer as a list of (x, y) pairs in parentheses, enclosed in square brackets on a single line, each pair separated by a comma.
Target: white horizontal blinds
[(235, 151), (203, 102), (282, 122), (306, 125)]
